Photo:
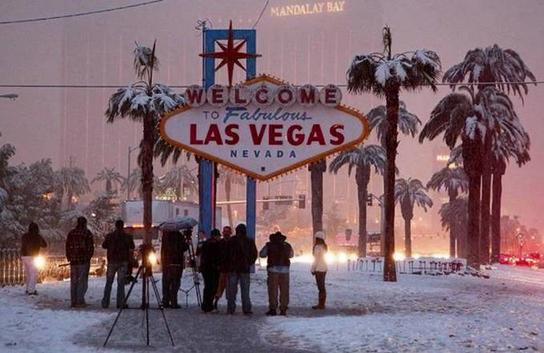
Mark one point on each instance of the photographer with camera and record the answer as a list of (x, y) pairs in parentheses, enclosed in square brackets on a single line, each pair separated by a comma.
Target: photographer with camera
[(119, 246), (174, 245)]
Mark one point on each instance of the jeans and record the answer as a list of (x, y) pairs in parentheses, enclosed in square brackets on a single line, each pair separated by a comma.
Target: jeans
[(277, 281), (121, 270), (171, 282), (211, 280), (232, 289), (320, 281), (79, 277), (222, 284), (31, 273)]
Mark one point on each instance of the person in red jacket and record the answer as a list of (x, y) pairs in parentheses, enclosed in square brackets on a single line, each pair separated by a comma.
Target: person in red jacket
[(79, 251), (31, 243)]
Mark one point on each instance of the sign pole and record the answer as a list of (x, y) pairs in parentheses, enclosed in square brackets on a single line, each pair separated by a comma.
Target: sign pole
[(251, 184), (206, 167)]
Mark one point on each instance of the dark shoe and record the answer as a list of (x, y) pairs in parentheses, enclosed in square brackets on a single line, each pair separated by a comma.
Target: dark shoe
[(248, 313), (165, 305), (122, 306), (283, 312), (33, 293), (271, 313), (175, 306), (318, 307)]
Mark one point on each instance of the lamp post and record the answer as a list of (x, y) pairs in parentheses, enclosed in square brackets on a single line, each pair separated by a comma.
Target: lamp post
[(521, 242), (130, 149)]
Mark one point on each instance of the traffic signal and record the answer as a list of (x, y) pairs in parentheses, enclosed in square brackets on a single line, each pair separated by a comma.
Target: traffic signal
[(302, 201), (369, 200)]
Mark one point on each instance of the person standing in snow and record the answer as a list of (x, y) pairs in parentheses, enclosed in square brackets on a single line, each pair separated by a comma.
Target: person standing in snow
[(174, 245), (209, 267), (223, 261), (319, 268), (242, 253), (278, 252), (79, 251), (119, 246), (31, 243)]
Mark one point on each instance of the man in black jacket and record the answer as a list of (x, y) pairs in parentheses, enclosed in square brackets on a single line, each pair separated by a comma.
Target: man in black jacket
[(31, 243), (209, 267), (119, 246), (79, 251), (278, 252), (173, 246), (242, 254)]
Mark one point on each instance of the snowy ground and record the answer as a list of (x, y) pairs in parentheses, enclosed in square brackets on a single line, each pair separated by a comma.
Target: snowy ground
[(416, 314)]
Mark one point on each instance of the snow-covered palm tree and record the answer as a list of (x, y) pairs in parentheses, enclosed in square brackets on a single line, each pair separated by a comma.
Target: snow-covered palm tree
[(110, 177), (454, 181), (73, 183), (178, 178), (505, 70), (471, 117), (453, 215), (134, 182), (385, 75), (409, 193), (229, 177), (144, 101), (377, 118), (363, 159)]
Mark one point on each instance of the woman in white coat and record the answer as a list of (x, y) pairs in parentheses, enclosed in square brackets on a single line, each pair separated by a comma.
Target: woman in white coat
[(319, 268)]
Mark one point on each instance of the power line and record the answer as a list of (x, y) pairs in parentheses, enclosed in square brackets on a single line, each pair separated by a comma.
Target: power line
[(343, 85), (261, 14), (40, 19)]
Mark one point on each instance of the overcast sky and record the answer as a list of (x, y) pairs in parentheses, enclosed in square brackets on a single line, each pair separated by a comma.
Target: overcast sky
[(97, 49)]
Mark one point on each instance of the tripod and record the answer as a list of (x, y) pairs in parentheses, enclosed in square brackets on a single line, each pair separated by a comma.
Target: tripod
[(192, 265), (145, 272)]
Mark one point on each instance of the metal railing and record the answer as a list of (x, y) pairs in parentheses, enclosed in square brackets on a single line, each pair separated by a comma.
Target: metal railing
[(11, 268), (56, 268)]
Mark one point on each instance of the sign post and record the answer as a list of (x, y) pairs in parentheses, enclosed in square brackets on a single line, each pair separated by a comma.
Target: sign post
[(207, 202), (262, 128)]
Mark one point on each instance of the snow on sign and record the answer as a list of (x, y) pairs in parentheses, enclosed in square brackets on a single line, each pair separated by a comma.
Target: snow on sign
[(264, 127)]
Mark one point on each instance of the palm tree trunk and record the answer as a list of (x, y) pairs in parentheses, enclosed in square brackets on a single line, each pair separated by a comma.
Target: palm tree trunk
[(147, 176), (228, 185), (316, 176), (496, 218), (392, 104), (473, 168), (453, 228), (362, 177), (408, 237), (486, 201)]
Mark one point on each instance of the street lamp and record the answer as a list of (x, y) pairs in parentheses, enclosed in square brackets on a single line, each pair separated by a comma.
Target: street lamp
[(521, 242), (130, 149), (11, 96)]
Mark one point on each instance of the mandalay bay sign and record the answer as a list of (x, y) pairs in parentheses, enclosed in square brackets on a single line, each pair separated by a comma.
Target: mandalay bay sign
[(264, 127)]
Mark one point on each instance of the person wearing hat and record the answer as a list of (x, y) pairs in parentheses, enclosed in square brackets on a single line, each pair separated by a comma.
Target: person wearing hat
[(209, 267), (319, 268), (278, 252)]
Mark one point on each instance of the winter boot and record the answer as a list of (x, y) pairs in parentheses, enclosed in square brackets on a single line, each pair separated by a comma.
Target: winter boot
[(271, 312), (321, 305)]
